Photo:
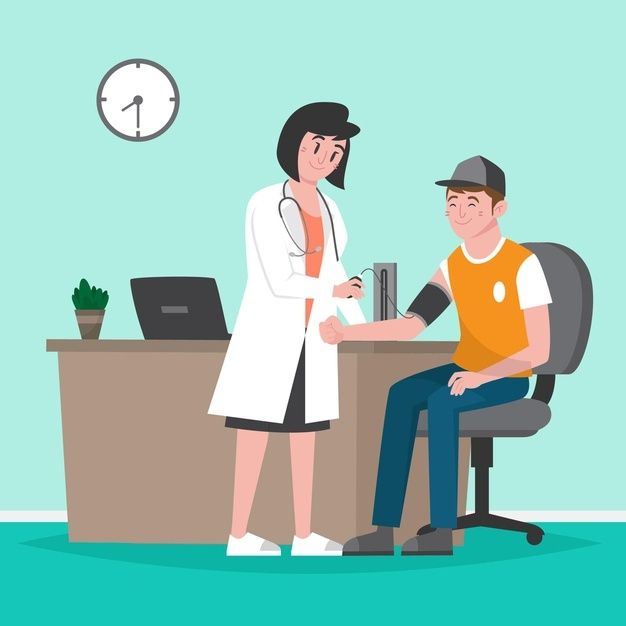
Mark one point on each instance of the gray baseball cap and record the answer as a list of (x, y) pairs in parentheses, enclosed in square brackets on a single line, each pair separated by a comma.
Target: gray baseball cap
[(476, 171)]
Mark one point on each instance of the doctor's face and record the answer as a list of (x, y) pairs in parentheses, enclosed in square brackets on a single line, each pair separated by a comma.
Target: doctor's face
[(319, 156)]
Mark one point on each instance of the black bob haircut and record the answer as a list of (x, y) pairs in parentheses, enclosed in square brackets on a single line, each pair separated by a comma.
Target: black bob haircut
[(321, 118)]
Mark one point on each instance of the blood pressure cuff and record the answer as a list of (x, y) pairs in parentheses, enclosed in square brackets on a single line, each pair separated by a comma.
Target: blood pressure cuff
[(429, 303)]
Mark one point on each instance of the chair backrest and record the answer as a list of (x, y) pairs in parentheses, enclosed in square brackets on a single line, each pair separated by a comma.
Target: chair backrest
[(572, 303)]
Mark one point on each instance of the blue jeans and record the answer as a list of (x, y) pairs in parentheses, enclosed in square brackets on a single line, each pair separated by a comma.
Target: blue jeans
[(429, 390)]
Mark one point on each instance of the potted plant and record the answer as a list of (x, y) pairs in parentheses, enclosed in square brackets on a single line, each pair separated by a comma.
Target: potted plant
[(90, 304)]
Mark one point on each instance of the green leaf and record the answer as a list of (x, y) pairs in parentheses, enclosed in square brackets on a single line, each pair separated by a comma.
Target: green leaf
[(85, 294), (76, 298)]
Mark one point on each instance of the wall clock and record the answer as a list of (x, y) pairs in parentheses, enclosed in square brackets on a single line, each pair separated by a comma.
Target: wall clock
[(138, 100)]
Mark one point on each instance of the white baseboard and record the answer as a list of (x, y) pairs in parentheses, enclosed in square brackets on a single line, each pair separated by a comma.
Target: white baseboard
[(525, 516), (33, 516), (565, 516)]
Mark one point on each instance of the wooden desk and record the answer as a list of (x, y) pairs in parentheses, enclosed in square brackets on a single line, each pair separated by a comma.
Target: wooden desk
[(145, 463)]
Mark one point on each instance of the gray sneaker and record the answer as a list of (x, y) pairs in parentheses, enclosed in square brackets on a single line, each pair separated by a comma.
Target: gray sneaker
[(378, 543), (436, 542)]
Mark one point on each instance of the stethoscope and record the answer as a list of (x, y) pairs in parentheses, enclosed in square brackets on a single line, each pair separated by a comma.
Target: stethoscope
[(318, 248), (306, 232)]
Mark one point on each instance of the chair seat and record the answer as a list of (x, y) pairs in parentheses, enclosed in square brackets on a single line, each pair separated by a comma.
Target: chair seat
[(520, 418)]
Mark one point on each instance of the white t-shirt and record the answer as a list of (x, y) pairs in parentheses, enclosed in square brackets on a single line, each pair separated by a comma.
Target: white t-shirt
[(532, 287)]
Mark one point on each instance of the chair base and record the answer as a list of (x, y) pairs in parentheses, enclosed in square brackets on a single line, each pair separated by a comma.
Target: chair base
[(482, 461), (534, 534)]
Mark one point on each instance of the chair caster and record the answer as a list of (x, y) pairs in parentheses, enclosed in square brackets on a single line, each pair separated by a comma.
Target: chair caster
[(534, 537)]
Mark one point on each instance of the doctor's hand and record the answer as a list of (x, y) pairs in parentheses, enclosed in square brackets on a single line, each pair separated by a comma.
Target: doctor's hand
[(351, 288), (332, 330)]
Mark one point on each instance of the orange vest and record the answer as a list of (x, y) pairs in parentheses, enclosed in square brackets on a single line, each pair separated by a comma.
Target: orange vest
[(491, 321)]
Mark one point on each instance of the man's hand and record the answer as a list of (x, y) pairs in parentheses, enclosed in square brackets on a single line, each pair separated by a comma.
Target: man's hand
[(351, 288), (460, 381), (332, 330)]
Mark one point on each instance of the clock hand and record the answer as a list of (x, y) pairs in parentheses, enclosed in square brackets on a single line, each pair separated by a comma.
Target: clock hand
[(136, 100)]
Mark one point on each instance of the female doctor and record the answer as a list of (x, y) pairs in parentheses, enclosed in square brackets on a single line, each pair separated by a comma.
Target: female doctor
[(278, 374)]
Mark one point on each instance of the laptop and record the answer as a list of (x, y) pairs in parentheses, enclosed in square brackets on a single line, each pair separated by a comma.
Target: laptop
[(179, 307)]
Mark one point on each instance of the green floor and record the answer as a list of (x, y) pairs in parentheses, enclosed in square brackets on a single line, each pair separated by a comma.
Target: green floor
[(576, 575)]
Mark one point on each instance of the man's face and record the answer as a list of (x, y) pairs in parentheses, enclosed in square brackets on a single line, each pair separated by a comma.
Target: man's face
[(471, 212), (319, 156)]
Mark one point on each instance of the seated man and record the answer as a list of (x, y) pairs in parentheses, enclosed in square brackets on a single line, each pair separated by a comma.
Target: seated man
[(502, 301)]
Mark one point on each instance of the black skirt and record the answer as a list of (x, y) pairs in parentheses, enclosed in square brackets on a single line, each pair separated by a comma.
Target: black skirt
[(294, 414)]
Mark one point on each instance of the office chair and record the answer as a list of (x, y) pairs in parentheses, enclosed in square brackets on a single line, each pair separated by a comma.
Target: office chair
[(570, 320)]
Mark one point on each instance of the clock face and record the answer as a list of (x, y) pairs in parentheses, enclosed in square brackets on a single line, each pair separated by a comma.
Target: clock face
[(138, 100)]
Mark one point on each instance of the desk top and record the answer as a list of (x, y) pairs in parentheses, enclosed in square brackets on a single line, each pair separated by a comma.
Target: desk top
[(185, 345)]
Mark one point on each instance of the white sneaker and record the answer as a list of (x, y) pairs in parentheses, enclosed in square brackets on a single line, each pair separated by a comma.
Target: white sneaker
[(315, 545), (251, 545)]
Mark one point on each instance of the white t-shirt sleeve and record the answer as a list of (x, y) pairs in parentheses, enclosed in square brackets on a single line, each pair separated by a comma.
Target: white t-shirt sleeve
[(532, 287), (443, 266)]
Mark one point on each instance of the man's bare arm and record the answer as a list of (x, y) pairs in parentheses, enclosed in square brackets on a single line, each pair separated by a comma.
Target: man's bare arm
[(402, 329)]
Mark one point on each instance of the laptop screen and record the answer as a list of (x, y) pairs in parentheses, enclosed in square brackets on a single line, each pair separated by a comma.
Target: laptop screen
[(179, 307)]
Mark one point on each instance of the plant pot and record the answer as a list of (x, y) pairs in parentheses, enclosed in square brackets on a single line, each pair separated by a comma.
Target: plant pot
[(89, 322)]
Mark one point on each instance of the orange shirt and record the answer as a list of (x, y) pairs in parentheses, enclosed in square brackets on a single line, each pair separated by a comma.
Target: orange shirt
[(313, 262), (492, 323)]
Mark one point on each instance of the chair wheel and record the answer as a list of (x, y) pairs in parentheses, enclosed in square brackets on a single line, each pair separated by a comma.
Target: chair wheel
[(534, 538)]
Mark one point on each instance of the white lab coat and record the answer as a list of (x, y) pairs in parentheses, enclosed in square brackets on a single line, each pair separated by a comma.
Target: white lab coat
[(260, 364)]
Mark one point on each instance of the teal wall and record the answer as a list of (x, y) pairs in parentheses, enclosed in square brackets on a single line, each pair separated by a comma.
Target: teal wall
[(537, 87)]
